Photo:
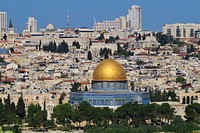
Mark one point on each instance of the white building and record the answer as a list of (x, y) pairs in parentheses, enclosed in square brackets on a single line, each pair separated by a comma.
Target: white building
[(180, 30), (107, 25), (32, 25), (133, 21), (87, 33), (3, 23), (135, 17)]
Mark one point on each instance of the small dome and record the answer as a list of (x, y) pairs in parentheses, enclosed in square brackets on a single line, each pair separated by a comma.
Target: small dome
[(50, 27), (109, 70)]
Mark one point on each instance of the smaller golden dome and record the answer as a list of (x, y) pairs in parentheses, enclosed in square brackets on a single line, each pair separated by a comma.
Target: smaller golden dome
[(109, 70)]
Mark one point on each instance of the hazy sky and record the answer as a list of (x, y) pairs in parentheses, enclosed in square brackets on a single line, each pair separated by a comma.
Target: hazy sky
[(155, 12)]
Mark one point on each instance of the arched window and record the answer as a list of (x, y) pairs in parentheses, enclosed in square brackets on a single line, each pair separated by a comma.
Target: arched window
[(98, 102), (102, 102), (192, 100), (188, 100), (107, 102), (123, 101), (116, 102), (111, 102), (196, 97), (90, 102), (94, 102), (183, 100), (119, 102)]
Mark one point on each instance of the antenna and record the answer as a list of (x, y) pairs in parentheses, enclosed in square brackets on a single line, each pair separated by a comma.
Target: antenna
[(94, 20), (68, 19)]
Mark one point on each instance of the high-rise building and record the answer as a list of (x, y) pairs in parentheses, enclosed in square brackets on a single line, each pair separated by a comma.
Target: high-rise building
[(135, 18), (32, 25), (3, 23), (133, 21)]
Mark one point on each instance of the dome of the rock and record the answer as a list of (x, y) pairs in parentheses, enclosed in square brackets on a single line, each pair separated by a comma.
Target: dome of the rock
[(109, 70)]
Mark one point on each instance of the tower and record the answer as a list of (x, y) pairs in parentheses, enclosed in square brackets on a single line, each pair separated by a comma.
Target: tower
[(3, 23), (68, 20), (32, 25), (135, 18), (11, 33)]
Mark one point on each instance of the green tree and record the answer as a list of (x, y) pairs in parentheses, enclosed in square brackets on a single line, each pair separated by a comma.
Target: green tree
[(106, 55), (181, 80), (40, 118), (75, 87), (89, 55), (32, 110), (192, 113), (107, 116), (2, 113), (123, 114), (85, 111), (1, 59), (12, 108), (76, 44), (101, 37), (86, 88), (132, 86), (21, 108), (172, 95), (63, 114), (117, 38), (77, 118), (7, 104), (5, 37), (40, 45), (166, 112), (164, 39)]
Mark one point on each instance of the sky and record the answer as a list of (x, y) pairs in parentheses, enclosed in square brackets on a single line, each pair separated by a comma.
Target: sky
[(155, 13)]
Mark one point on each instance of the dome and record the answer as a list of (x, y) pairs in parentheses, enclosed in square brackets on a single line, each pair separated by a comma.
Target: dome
[(50, 27), (109, 70)]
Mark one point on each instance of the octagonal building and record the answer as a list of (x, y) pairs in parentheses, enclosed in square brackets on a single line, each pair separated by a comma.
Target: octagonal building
[(109, 88)]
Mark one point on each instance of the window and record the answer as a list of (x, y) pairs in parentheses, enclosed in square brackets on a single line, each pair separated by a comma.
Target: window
[(98, 102), (90, 101), (102, 102), (191, 32), (107, 102), (178, 32), (94, 102), (184, 32), (169, 31), (37, 98)]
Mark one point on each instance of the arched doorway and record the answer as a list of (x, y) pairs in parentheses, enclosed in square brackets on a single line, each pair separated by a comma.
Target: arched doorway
[(188, 100), (183, 100), (192, 100)]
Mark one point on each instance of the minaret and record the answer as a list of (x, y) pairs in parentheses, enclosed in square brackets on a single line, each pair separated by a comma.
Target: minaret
[(11, 33)]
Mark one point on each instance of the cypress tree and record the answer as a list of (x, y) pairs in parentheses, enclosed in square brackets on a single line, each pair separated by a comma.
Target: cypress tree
[(2, 113), (89, 56), (44, 105), (7, 105), (21, 108), (66, 48), (40, 44), (12, 107)]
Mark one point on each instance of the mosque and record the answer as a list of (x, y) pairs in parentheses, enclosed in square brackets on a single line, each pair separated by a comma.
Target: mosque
[(109, 88)]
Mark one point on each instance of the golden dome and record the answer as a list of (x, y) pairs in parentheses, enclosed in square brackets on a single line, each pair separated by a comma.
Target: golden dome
[(109, 70)]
